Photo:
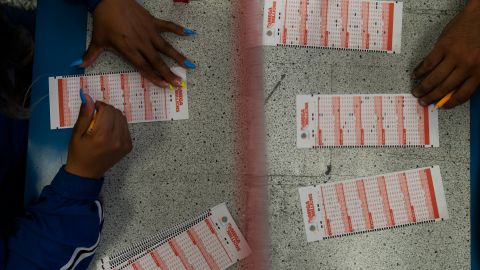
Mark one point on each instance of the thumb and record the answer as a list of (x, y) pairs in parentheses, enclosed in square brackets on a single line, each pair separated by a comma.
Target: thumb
[(85, 115), (91, 55)]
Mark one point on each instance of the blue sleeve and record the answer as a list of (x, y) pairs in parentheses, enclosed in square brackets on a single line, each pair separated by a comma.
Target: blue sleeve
[(61, 230)]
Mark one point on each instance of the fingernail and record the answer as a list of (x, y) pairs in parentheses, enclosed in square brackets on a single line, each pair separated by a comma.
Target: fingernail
[(82, 97), (422, 103), (189, 64), (189, 32), (76, 63)]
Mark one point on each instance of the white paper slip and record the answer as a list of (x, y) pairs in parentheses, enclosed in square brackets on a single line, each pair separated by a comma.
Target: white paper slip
[(212, 240), (138, 99), (365, 121), (337, 24), (373, 203)]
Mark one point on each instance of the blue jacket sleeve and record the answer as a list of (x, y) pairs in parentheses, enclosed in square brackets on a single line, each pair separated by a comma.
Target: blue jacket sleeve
[(62, 229)]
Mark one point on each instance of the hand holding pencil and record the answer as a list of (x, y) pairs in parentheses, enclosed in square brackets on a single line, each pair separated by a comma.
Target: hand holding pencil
[(444, 100), (100, 139), (453, 63)]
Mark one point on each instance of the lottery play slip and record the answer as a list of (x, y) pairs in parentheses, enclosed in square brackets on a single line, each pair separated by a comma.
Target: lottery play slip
[(210, 241), (365, 121), (373, 203), (338, 24), (139, 99)]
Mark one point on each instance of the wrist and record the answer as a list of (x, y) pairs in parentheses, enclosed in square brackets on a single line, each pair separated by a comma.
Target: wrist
[(75, 187), (81, 172)]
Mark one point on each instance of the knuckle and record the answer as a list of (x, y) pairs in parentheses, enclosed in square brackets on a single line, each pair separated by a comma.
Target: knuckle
[(432, 81), (100, 103), (426, 100), (143, 66), (170, 25), (421, 89), (119, 113), (426, 85), (117, 144), (168, 48), (101, 139), (440, 46), (125, 40), (160, 41), (160, 21), (427, 63), (158, 61)]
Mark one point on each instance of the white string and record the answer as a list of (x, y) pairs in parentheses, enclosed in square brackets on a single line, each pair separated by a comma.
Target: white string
[(30, 88), (32, 107)]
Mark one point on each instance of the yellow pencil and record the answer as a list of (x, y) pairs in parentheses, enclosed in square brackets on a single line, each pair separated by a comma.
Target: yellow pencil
[(444, 100), (90, 127)]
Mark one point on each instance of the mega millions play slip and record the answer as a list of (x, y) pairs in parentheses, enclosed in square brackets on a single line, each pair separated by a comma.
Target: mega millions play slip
[(373, 203), (211, 240), (337, 24), (139, 99), (388, 120)]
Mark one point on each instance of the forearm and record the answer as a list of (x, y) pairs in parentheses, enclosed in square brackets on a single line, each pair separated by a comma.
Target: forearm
[(61, 229)]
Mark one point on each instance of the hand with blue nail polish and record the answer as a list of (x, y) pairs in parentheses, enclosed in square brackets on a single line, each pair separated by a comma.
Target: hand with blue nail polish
[(126, 27), (92, 153)]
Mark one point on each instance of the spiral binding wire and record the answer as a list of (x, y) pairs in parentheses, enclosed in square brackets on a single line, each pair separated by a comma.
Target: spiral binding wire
[(374, 146), (381, 229), (96, 74), (334, 48), (140, 249), (159, 239)]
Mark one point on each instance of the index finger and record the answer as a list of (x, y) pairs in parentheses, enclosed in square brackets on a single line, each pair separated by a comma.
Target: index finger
[(105, 117), (429, 63)]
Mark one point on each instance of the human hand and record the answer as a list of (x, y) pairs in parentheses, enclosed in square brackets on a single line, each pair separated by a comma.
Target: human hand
[(92, 152), (454, 62), (125, 27)]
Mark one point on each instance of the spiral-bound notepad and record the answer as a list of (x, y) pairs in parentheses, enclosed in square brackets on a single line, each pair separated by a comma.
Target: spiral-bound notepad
[(139, 99), (212, 240), (373, 203), (336, 24), (365, 121)]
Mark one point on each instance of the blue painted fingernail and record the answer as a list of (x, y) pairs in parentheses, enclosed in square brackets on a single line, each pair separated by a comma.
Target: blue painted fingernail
[(76, 63), (82, 97), (189, 64), (189, 32)]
